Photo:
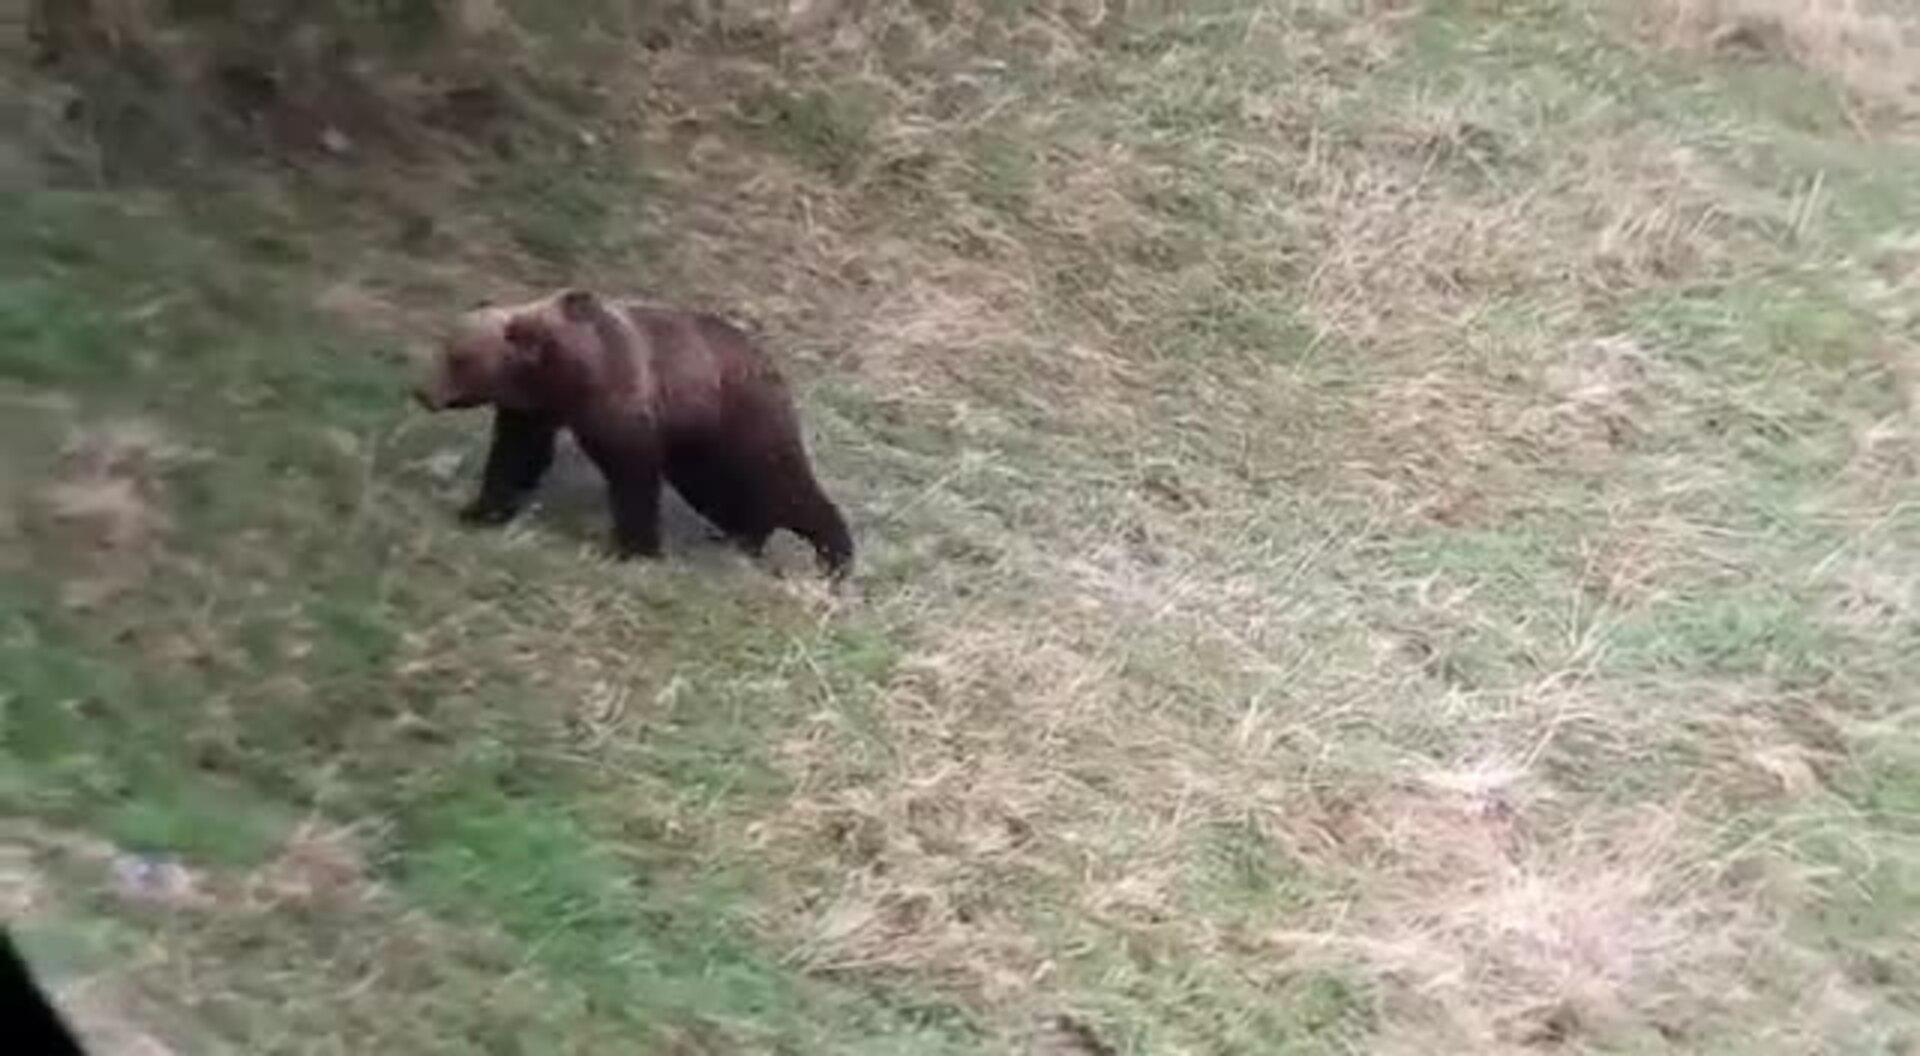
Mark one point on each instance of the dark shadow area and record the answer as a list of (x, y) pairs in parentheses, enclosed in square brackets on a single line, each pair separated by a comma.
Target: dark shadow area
[(573, 503)]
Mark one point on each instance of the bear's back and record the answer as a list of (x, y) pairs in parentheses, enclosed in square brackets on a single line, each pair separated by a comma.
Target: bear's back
[(703, 366)]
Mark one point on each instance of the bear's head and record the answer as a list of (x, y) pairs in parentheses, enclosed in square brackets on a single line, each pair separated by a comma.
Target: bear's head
[(514, 356)]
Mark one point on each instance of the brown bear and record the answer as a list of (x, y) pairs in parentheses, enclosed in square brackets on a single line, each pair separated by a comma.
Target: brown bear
[(650, 394)]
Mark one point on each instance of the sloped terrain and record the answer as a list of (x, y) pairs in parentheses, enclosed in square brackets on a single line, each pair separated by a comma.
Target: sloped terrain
[(1387, 527)]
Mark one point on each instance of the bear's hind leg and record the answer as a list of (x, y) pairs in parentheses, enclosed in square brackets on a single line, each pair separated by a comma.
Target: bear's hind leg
[(713, 490), (814, 517), (519, 454), (826, 528), (631, 466)]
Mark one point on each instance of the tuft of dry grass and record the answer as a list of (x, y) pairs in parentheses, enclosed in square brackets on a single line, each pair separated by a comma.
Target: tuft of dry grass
[(1871, 50), (319, 864), (102, 505), (1516, 944)]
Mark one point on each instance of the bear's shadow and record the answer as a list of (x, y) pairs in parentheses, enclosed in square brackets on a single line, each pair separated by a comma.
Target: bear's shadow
[(572, 502)]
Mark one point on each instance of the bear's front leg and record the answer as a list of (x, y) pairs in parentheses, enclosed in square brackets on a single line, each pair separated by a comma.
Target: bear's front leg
[(630, 463), (520, 453)]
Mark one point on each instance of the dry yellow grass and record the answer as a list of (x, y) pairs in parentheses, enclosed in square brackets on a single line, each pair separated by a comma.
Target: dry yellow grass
[(1115, 689), (1872, 50)]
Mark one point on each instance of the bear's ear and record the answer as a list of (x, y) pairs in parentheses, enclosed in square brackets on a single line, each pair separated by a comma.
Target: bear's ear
[(579, 305), (530, 338)]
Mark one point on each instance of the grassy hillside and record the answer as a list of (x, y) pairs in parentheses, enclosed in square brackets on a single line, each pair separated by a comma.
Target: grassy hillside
[(1387, 527)]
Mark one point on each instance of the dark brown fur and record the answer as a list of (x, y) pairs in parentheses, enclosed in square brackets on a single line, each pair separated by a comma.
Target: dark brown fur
[(651, 395)]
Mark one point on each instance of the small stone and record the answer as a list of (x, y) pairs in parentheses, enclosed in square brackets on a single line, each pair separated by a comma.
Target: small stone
[(155, 879)]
